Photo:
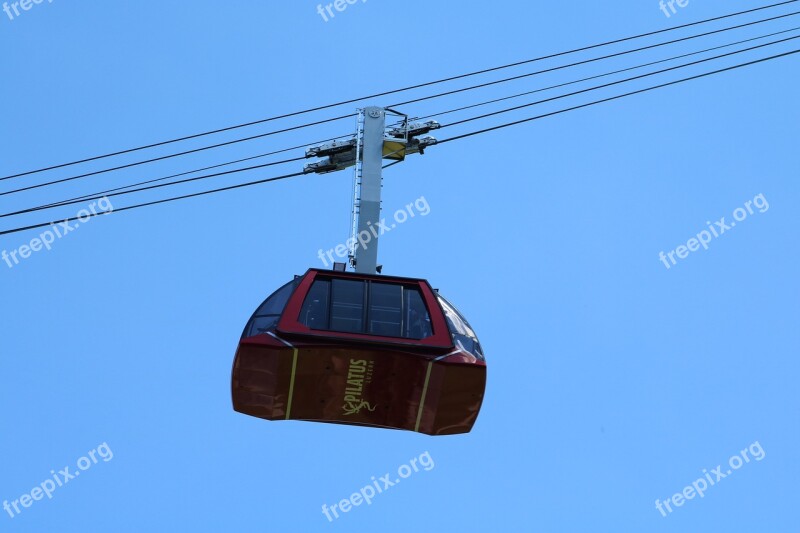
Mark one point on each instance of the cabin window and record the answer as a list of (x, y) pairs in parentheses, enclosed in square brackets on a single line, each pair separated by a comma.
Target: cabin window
[(417, 321), (266, 317), (315, 311), (347, 306), (385, 309), (464, 336), (366, 307)]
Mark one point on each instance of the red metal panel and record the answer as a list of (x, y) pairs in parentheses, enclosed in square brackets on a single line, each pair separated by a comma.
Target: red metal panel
[(358, 386), (459, 397), (259, 385)]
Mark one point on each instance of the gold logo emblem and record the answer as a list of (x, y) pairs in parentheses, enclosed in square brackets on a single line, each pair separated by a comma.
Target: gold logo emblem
[(351, 408), (358, 374)]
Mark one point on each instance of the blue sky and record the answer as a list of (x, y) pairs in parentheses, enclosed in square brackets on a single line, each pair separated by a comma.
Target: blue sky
[(613, 381)]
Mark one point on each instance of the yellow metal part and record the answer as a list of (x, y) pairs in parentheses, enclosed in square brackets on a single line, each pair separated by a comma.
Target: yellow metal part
[(394, 150)]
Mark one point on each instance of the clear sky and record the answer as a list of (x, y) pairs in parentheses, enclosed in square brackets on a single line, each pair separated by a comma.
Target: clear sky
[(613, 381)]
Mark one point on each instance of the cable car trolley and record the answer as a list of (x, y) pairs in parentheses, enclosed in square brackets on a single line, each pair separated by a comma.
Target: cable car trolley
[(357, 347)]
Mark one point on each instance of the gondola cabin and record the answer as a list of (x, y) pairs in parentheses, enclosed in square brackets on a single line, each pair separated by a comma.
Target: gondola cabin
[(358, 349)]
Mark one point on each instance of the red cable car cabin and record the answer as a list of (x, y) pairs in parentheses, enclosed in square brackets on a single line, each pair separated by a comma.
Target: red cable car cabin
[(360, 349)]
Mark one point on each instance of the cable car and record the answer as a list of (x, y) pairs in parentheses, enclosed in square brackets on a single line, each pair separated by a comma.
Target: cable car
[(359, 349)]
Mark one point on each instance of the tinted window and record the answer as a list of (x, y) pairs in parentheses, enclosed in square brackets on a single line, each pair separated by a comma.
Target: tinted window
[(417, 319), (392, 310), (385, 309), (347, 309), (267, 316), (463, 335), (315, 311)]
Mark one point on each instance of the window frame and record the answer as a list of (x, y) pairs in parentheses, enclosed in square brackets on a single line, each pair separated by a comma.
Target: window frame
[(439, 338), (367, 310)]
